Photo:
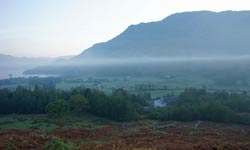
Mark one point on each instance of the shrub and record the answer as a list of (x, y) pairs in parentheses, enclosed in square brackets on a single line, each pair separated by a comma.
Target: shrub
[(78, 103), (57, 108), (58, 145)]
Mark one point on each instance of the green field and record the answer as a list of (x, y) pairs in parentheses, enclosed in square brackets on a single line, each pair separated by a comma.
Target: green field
[(170, 84), (159, 86), (43, 122)]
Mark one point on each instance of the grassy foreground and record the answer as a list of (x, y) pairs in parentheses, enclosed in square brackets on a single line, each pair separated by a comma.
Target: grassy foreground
[(43, 122)]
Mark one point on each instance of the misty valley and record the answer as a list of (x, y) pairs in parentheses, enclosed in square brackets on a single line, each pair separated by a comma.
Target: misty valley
[(156, 86), (146, 97)]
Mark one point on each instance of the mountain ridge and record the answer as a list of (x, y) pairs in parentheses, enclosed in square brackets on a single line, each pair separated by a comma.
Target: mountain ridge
[(198, 33)]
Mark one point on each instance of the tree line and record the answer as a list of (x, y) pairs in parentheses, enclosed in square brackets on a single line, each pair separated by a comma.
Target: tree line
[(199, 104), (190, 105), (119, 105)]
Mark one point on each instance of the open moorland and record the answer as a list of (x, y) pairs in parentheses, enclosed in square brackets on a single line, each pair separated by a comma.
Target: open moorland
[(107, 135)]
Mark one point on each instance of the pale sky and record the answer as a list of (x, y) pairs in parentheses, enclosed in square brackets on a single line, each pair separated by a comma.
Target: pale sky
[(37, 28)]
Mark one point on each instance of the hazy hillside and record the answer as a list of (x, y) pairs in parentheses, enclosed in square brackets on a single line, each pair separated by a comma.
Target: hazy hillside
[(17, 65), (151, 47), (200, 33)]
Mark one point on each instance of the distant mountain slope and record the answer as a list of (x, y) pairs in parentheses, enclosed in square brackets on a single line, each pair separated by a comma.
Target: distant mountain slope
[(13, 60), (4, 57), (201, 33), (17, 65)]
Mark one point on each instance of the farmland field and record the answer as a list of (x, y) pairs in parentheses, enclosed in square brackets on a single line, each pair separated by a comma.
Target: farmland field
[(156, 86)]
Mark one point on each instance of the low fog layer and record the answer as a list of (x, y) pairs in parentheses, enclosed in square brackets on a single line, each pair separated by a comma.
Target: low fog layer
[(143, 60), (145, 66), (15, 66)]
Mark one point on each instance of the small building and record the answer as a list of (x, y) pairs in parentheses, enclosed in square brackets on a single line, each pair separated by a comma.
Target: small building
[(160, 102), (146, 108), (168, 76)]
